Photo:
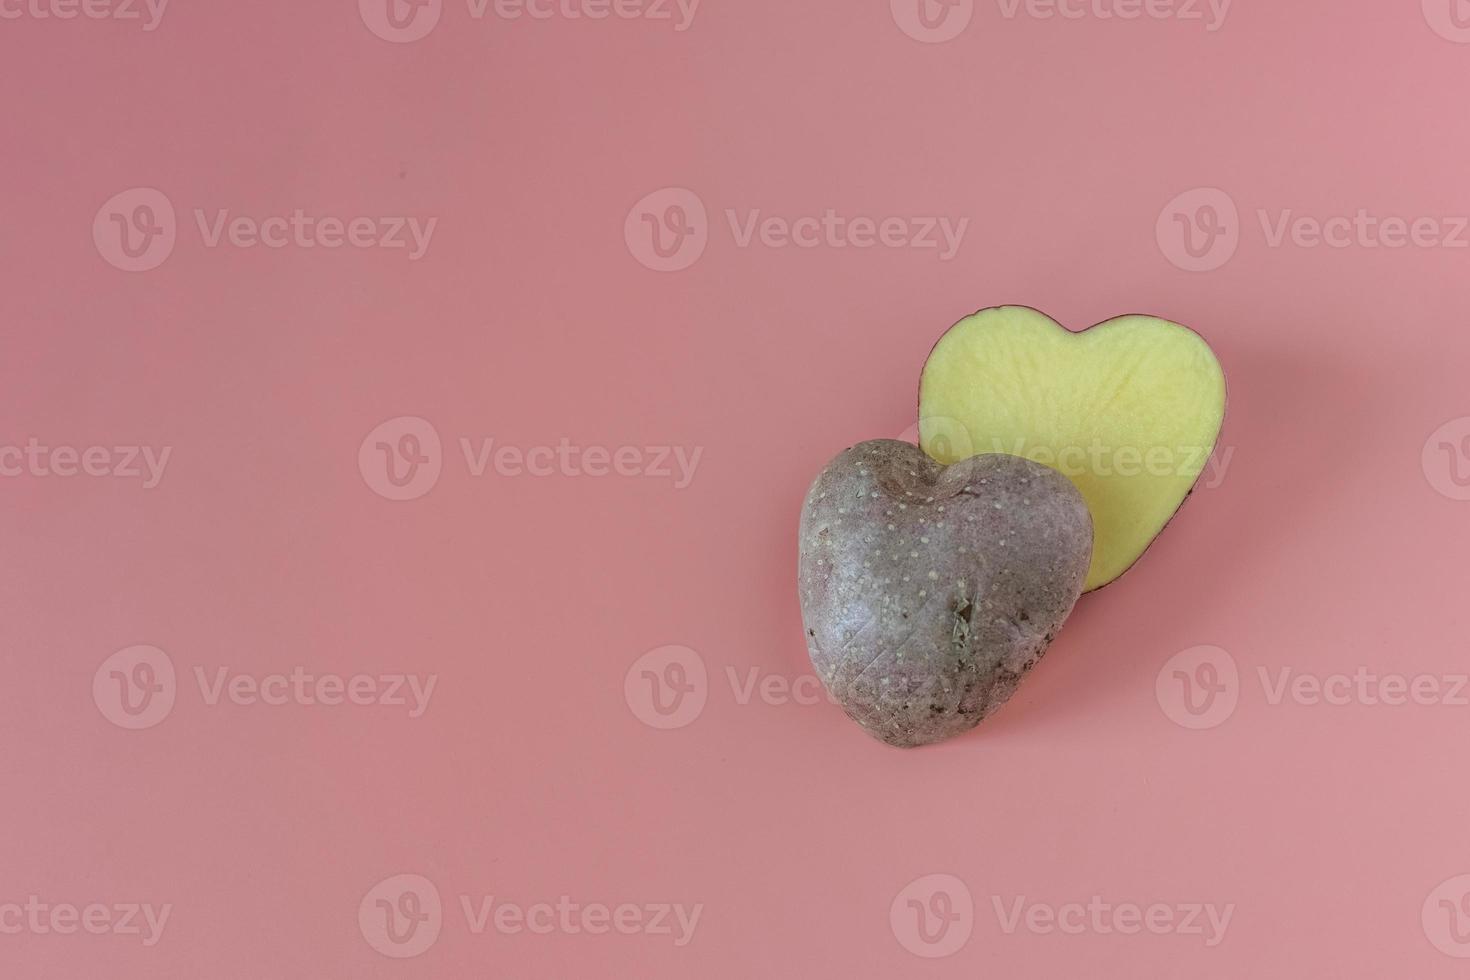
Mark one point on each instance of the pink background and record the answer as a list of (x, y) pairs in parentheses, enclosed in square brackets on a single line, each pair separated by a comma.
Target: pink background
[(1329, 545)]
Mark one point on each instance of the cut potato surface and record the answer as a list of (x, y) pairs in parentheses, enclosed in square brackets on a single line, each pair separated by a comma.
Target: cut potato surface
[(1129, 410)]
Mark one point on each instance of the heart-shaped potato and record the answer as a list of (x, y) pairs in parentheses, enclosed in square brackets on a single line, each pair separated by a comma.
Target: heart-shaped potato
[(928, 591), (1129, 410)]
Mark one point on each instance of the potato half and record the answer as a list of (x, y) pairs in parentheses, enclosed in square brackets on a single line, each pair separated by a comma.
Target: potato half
[(1128, 410)]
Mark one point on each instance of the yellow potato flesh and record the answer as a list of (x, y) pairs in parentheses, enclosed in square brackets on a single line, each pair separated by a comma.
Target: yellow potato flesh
[(1128, 410)]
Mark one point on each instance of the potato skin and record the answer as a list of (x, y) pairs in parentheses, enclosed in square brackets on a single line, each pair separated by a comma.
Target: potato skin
[(928, 591)]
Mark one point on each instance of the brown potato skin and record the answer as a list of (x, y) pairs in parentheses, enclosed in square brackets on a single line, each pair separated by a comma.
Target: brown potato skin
[(927, 592)]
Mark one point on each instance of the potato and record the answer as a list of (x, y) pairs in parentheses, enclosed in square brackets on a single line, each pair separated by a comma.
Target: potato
[(1129, 410), (927, 592)]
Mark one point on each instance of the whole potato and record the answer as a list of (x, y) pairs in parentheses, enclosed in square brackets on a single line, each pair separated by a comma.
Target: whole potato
[(928, 591)]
